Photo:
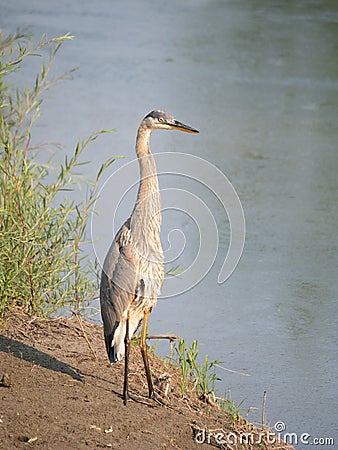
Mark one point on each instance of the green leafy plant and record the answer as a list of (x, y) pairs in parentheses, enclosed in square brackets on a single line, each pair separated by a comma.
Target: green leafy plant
[(203, 375), (184, 365), (43, 263), (228, 405)]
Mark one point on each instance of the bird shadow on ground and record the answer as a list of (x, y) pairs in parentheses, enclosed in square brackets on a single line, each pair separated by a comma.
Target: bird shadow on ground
[(31, 354)]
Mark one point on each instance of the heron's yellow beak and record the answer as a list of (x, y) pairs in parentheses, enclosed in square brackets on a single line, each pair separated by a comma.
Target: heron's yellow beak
[(181, 126)]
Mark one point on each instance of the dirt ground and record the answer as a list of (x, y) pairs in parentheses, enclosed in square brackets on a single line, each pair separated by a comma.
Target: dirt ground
[(59, 392)]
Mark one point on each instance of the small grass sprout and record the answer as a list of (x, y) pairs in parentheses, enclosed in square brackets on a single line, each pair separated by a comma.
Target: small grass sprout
[(203, 375)]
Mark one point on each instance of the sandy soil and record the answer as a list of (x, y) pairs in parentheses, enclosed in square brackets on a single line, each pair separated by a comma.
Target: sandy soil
[(58, 392)]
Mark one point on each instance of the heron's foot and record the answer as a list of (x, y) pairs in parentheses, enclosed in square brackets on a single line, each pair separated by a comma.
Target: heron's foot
[(156, 398)]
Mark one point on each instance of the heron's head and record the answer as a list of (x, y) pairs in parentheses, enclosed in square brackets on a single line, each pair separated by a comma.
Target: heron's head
[(160, 120)]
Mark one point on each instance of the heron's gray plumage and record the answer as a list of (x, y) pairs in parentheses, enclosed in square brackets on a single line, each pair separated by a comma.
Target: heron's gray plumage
[(115, 300), (133, 269)]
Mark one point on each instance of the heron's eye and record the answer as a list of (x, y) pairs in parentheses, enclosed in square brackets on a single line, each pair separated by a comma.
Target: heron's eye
[(160, 119)]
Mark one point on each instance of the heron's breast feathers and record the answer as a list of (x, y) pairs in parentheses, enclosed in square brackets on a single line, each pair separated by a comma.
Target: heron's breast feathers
[(145, 260)]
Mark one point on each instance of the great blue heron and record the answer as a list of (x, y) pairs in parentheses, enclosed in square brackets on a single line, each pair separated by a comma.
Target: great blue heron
[(133, 270)]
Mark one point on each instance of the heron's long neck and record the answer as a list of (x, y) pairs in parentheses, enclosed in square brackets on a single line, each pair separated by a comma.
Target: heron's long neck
[(146, 216), (148, 173)]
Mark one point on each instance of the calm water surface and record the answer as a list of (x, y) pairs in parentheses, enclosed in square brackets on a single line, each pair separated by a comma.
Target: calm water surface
[(260, 81)]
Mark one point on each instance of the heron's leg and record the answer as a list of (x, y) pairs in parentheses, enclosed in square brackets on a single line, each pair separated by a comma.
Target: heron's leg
[(126, 363), (143, 346)]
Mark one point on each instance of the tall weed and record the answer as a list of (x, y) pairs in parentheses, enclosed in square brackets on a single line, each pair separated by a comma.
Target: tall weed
[(43, 262)]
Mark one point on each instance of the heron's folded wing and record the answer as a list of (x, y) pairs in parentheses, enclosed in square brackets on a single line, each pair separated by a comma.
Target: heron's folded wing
[(119, 281)]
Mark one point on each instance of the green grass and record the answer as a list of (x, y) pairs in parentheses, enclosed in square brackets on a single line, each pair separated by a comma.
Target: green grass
[(44, 265), (232, 408), (203, 376)]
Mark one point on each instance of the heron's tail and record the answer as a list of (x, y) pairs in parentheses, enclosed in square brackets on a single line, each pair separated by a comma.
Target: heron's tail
[(114, 356), (115, 343)]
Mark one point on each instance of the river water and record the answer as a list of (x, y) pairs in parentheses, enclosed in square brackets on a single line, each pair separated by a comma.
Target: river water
[(259, 80)]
